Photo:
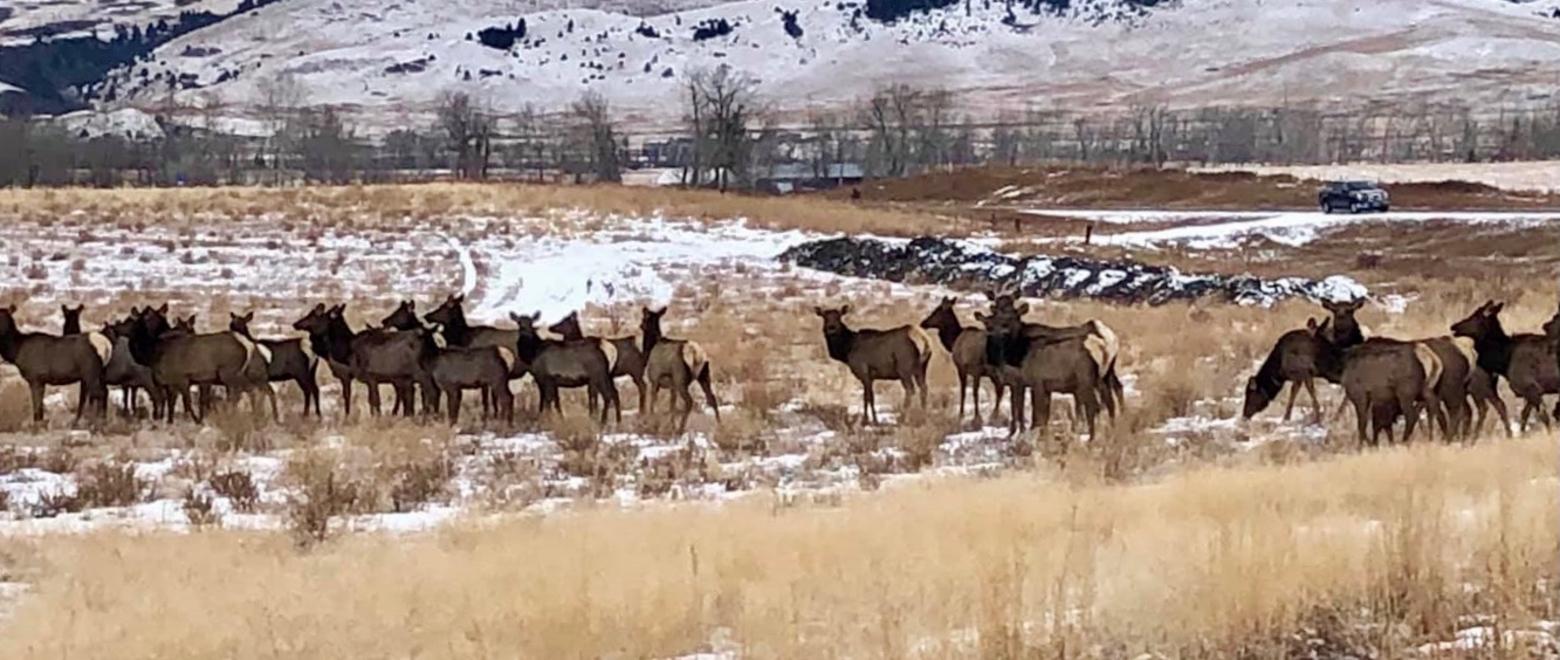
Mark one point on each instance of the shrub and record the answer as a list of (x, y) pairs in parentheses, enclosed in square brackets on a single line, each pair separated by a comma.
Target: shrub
[(238, 487), (200, 509), (321, 492), (111, 483)]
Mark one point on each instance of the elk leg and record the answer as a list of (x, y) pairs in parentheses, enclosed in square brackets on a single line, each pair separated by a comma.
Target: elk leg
[(1361, 418), (1040, 404), (920, 384), (655, 390), (452, 397), (1294, 389), (681, 389), (709, 392), (1118, 391), (189, 408), (639, 385), (907, 383), (37, 400), (867, 416), (963, 383), (373, 397), (996, 403), (1499, 405), (1091, 408), (1316, 405)]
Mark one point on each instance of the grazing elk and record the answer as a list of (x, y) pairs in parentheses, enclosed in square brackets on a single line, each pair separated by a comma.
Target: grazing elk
[(131, 376), (179, 360), (1111, 392), (900, 354), (1049, 360), (458, 368), (1294, 359), (375, 357), (630, 358), (966, 346), (556, 363), (45, 360), (678, 363), (72, 325), (291, 359), (1526, 361)]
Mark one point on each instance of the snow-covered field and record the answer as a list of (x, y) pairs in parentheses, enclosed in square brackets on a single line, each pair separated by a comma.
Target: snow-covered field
[(391, 60), (1208, 230)]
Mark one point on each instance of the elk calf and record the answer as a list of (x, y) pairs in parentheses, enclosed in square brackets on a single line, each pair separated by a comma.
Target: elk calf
[(900, 354)]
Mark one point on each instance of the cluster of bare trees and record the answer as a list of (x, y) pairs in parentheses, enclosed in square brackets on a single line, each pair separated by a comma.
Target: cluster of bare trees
[(731, 141)]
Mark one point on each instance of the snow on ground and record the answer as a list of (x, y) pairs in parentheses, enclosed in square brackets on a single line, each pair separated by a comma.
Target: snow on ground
[(1539, 176), (391, 59), (1209, 230), (640, 261)]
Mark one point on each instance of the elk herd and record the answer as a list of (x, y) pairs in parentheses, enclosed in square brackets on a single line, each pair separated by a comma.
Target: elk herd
[(434, 359)]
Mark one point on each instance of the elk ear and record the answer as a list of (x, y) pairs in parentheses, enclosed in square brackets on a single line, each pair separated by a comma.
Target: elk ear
[(981, 316), (991, 294), (844, 309), (514, 317), (1359, 303), (1310, 324), (163, 309), (1496, 308), (1021, 308), (232, 316), (250, 316), (460, 298), (816, 310)]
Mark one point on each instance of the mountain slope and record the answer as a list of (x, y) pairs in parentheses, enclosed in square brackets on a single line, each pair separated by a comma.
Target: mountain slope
[(390, 62)]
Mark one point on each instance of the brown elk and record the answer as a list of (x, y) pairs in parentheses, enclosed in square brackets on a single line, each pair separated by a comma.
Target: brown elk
[(630, 360), (1049, 360), (1526, 361), (458, 368), (966, 346), (555, 364), (1384, 379), (45, 360), (1293, 360), (122, 369), (290, 360), (900, 354), (1111, 393), (451, 319), (676, 364), (375, 357), (179, 360)]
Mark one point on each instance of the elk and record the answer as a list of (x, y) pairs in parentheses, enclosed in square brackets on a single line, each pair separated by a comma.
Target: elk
[(129, 375), (45, 360), (373, 356), (678, 363), (556, 363), (1526, 361), (1049, 360), (1110, 392), (451, 319), (291, 359), (900, 354), (630, 358), (1293, 360), (179, 360), (1384, 379), (966, 347), (458, 368)]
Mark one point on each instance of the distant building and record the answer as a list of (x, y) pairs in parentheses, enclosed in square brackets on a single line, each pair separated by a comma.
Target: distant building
[(786, 178)]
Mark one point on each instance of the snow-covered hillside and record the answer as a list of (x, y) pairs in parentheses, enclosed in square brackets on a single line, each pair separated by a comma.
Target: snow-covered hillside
[(390, 61)]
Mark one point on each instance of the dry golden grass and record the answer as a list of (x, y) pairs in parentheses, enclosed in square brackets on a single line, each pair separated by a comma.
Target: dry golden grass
[(1208, 563), (394, 205)]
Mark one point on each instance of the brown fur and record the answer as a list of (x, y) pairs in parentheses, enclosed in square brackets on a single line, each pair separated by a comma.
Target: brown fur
[(49, 360), (630, 359), (874, 355), (558, 364), (1048, 361), (674, 364)]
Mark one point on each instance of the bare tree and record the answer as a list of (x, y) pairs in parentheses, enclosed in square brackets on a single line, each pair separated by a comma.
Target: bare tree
[(597, 136), (723, 102), (280, 97), (468, 130), (326, 148)]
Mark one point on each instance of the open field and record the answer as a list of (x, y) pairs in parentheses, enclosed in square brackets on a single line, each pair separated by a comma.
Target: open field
[(787, 529)]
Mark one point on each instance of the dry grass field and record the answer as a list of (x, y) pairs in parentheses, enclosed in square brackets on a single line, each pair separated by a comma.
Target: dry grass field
[(787, 530)]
